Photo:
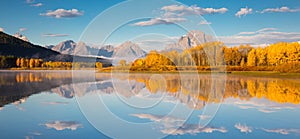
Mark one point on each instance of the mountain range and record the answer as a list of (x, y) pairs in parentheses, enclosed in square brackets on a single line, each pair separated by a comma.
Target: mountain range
[(80, 48), (128, 50), (19, 46)]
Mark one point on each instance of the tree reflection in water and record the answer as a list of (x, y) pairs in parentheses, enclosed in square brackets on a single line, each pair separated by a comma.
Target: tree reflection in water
[(193, 90)]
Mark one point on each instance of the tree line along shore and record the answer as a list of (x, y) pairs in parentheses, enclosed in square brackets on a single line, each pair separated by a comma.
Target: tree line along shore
[(212, 56)]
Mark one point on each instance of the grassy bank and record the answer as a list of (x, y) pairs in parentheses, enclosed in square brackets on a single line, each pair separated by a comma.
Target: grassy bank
[(266, 74), (273, 74), (51, 69)]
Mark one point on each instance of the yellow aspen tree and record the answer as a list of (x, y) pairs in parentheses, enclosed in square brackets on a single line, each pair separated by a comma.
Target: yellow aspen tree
[(98, 65), (31, 63), (261, 56), (23, 63), (243, 62), (251, 58), (18, 62)]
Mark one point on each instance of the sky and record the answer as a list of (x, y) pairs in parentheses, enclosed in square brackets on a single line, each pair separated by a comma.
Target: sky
[(99, 22)]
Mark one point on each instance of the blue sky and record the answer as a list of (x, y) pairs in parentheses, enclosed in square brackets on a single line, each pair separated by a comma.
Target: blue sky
[(50, 22)]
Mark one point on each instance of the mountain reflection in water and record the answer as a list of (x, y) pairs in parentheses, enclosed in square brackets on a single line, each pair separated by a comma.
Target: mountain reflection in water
[(192, 90), (44, 104)]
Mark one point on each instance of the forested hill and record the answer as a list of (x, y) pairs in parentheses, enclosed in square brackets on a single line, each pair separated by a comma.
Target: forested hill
[(12, 46)]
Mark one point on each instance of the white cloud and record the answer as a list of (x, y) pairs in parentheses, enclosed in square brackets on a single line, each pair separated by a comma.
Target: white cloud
[(163, 121), (29, 1), (243, 128), (55, 103), (282, 131), (174, 14), (267, 29), (244, 11), (63, 13), (157, 21), (36, 133), (266, 110), (175, 126), (20, 108), (54, 35), (62, 125), (261, 105), (32, 3), (203, 22), (37, 5), (182, 10), (258, 31), (158, 118), (283, 9), (245, 107), (192, 129), (262, 36), (1, 29), (22, 29), (247, 33), (204, 117)]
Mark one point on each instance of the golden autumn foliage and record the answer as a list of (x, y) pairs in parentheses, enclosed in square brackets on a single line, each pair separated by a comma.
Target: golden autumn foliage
[(28, 63), (39, 63), (28, 78), (31, 77), (154, 61), (210, 89), (214, 55), (99, 65)]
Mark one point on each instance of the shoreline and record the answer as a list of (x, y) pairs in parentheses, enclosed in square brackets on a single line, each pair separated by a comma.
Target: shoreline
[(270, 74)]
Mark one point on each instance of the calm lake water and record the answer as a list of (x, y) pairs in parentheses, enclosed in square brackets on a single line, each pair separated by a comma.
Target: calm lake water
[(84, 104)]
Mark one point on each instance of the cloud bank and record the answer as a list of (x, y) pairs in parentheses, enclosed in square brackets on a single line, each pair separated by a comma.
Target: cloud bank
[(193, 129), (171, 14), (55, 103), (157, 21), (282, 131), (261, 37), (182, 10), (63, 13), (37, 5), (283, 9), (62, 125), (55, 35), (175, 126), (243, 128), (244, 11), (203, 22), (22, 29)]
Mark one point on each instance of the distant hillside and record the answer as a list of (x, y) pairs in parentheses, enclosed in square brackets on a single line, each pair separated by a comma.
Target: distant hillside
[(12, 46)]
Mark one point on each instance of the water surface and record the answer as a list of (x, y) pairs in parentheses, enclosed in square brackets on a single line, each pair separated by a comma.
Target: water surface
[(66, 104)]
